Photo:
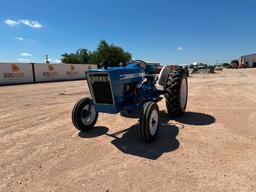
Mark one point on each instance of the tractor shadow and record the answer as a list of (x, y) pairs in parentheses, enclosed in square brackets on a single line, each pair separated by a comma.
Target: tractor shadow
[(95, 132), (130, 142), (194, 118)]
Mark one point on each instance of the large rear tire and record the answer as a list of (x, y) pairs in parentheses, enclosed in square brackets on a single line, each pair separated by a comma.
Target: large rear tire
[(149, 122), (176, 92), (84, 114)]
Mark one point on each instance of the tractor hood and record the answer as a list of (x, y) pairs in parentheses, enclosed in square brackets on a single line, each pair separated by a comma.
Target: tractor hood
[(129, 74), (107, 85)]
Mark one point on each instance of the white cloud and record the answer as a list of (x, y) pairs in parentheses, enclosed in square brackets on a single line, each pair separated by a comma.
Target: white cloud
[(54, 60), (179, 49), (27, 22), (19, 38), (24, 60), (25, 55), (57, 61), (31, 23), (11, 23)]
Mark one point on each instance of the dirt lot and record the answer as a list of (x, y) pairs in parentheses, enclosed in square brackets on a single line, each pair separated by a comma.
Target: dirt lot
[(211, 148)]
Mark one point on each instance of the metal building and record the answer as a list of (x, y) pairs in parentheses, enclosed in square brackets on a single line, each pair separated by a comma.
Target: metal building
[(248, 60)]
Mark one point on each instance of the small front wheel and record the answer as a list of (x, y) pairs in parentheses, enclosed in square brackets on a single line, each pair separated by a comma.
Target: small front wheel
[(84, 114), (149, 122)]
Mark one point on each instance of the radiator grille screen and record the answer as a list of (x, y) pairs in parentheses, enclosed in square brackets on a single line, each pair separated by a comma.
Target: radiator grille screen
[(101, 87)]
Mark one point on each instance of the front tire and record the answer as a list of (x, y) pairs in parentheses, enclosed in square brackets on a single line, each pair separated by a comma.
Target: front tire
[(149, 122), (176, 92), (84, 114)]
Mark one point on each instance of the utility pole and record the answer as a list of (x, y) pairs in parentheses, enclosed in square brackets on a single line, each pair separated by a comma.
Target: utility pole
[(46, 59)]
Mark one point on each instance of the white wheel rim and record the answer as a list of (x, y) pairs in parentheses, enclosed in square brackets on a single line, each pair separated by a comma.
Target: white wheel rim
[(88, 114), (153, 124), (183, 93)]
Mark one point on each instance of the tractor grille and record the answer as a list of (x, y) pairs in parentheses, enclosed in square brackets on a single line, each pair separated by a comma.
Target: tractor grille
[(101, 88)]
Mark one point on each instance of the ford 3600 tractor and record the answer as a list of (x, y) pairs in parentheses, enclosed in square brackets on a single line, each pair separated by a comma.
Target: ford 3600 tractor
[(129, 89)]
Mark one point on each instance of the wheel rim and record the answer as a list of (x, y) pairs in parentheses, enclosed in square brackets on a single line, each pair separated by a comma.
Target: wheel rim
[(183, 93), (88, 114), (153, 124)]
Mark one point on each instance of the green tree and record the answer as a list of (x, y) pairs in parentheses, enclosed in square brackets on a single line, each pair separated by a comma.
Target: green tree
[(109, 55), (69, 58), (105, 54), (81, 56)]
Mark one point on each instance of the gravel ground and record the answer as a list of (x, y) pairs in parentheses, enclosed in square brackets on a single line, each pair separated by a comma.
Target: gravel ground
[(211, 148)]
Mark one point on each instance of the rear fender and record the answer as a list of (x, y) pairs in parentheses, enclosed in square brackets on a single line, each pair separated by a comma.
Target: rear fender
[(163, 76)]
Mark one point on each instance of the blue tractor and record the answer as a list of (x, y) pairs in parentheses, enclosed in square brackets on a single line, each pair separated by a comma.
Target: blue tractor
[(129, 89)]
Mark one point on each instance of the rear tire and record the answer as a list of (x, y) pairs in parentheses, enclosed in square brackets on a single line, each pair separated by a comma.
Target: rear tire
[(149, 122), (84, 114), (176, 92)]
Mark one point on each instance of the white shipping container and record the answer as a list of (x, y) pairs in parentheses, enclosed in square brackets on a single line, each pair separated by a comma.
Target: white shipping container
[(49, 72), (60, 72), (15, 73), (77, 71)]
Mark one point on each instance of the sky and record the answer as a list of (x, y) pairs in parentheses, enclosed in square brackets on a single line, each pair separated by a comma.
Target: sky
[(165, 31)]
